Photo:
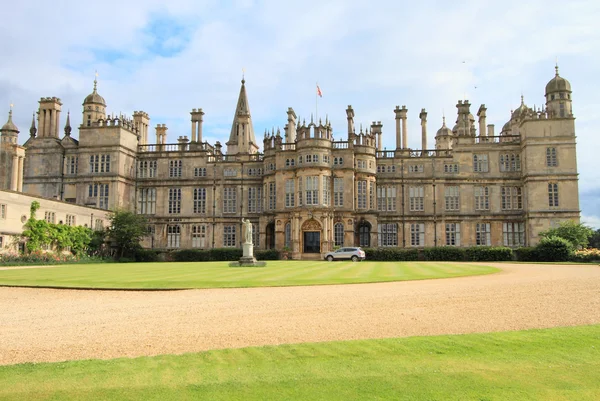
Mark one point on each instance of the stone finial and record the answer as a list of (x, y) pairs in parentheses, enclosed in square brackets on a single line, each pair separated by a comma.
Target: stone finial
[(68, 124)]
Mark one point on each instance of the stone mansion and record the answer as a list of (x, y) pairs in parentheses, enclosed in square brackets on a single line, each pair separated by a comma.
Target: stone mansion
[(307, 192)]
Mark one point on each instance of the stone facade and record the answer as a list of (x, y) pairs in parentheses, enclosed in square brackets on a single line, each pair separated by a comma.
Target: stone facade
[(309, 193), (15, 210)]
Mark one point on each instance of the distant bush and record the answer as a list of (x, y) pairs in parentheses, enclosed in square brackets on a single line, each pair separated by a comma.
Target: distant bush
[(553, 249), (46, 258), (391, 254), (488, 254), (449, 253), (146, 255), (201, 255), (268, 254), (586, 255), (526, 254)]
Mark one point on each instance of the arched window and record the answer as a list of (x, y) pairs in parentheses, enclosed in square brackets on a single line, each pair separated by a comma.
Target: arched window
[(288, 236), (338, 234)]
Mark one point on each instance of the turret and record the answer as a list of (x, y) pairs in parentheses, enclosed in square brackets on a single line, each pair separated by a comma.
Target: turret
[(241, 138), (49, 117), (558, 97), (94, 107), (141, 121)]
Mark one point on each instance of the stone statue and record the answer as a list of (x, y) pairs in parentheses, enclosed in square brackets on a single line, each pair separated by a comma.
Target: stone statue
[(248, 230)]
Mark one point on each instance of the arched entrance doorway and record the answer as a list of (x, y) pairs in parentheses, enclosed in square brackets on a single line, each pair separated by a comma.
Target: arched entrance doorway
[(270, 236), (311, 236), (364, 234)]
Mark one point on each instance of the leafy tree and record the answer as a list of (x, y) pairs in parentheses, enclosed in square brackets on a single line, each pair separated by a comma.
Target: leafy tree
[(553, 249), (595, 239), (126, 231), (577, 234)]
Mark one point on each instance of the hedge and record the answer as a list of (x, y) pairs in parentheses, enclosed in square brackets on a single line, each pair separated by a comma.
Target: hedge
[(220, 254), (489, 254), (526, 254), (553, 249), (449, 253), (391, 254)]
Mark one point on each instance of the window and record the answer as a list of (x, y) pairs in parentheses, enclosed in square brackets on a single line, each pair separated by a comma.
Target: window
[(416, 199), (3, 210), (480, 163), (299, 159), (417, 234), (173, 236), (255, 200), (512, 198), (386, 198), (510, 162), (147, 201), (99, 164), (361, 164), (290, 162), (453, 234), (482, 198), (338, 234), (513, 234), (553, 194), (391, 169), (174, 200), (451, 168), (175, 168), (415, 168), (229, 232), (326, 190), (255, 236), (338, 192), (312, 190), (372, 195), (147, 168), (72, 162), (309, 158), (229, 199), (272, 196), (199, 200), (452, 197), (50, 217), (99, 195), (388, 234), (229, 172), (562, 107), (361, 194), (288, 235), (338, 161), (254, 171), (198, 236), (300, 193), (326, 159), (483, 234), (551, 160), (98, 225), (199, 171), (289, 193)]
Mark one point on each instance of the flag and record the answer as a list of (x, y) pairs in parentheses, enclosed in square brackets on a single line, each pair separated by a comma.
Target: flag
[(319, 91)]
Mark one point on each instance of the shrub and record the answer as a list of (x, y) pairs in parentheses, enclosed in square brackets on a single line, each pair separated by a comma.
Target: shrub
[(586, 255), (268, 254), (146, 255), (232, 254), (526, 254), (391, 254), (488, 254), (191, 255), (449, 253), (553, 249)]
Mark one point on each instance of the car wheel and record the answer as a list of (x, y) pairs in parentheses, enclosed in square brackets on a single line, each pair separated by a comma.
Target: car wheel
[(354, 258), (330, 258)]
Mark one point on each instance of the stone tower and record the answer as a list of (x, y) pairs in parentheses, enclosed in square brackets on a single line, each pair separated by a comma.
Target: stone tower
[(11, 157), (94, 107), (241, 139)]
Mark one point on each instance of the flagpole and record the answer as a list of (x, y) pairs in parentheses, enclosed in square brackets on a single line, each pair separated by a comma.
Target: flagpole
[(316, 103)]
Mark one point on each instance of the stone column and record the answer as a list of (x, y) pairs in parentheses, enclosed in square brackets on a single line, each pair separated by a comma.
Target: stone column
[(200, 120), (404, 127), (51, 131), (482, 120), (398, 132), (56, 114), (423, 117), (20, 178), (15, 173), (194, 123)]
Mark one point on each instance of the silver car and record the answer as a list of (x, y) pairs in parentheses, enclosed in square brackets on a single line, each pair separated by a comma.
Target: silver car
[(353, 253)]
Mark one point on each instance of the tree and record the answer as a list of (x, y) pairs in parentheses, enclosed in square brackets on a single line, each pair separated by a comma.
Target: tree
[(577, 234), (126, 231), (595, 239)]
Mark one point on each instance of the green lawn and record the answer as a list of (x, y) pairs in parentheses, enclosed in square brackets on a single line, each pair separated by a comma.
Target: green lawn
[(553, 364), (219, 274)]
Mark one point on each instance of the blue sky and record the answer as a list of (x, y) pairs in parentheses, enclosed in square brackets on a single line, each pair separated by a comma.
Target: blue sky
[(167, 59)]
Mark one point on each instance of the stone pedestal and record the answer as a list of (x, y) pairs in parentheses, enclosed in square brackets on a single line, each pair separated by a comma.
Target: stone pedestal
[(247, 258)]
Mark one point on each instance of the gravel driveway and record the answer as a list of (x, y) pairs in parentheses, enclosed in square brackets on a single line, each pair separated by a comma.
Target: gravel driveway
[(55, 325)]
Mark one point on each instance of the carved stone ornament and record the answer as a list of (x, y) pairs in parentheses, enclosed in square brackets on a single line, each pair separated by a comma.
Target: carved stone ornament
[(311, 225)]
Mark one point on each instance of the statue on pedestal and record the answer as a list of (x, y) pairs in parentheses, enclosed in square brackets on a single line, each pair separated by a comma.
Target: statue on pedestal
[(247, 231)]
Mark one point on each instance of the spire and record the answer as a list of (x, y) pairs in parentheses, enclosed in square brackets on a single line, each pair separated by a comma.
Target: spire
[(241, 138), (33, 130), (95, 82), (68, 124), (522, 100), (443, 121), (10, 126)]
